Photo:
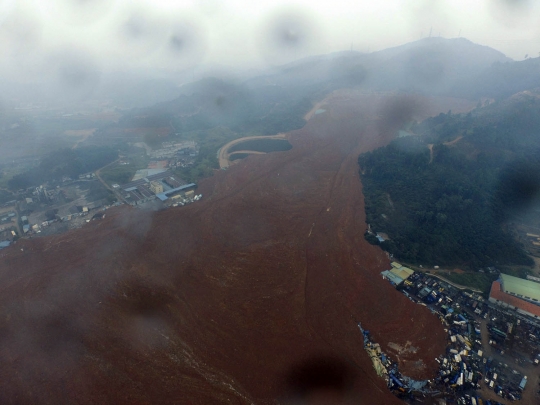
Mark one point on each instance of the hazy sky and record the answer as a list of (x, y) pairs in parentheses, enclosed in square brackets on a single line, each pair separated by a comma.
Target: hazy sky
[(169, 35)]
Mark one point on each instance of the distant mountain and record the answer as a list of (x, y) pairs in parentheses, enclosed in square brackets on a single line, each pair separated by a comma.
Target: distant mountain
[(502, 79), (431, 65), (274, 101)]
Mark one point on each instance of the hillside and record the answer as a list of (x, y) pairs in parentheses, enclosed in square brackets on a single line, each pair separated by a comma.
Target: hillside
[(451, 205)]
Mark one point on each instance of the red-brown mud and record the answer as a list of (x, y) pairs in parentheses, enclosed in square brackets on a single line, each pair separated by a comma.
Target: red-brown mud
[(220, 301)]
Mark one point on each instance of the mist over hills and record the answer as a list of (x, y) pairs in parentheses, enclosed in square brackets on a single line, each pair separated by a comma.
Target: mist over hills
[(431, 66), (436, 66)]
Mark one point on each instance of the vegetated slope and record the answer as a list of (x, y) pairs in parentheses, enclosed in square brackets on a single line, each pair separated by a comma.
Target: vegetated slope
[(452, 210), (231, 299), (64, 162)]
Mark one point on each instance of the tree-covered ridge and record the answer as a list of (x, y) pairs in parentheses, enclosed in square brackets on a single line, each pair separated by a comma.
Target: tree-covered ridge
[(450, 208), (64, 162)]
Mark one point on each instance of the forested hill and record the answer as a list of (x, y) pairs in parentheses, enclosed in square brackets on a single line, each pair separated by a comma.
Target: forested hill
[(451, 207)]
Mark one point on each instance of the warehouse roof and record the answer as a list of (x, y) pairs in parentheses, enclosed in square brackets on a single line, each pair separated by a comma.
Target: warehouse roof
[(164, 196), (402, 272), (392, 277), (520, 287), (497, 293)]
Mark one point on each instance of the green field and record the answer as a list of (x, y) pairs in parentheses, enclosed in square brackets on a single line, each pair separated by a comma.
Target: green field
[(122, 174)]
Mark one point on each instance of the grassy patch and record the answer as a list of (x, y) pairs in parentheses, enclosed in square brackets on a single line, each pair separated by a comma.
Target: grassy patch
[(122, 174), (479, 281)]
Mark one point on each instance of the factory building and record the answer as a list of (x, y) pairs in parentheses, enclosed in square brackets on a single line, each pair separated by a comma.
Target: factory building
[(397, 274), (516, 293)]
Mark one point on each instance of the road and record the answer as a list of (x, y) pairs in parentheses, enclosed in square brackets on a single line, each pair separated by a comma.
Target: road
[(430, 147), (224, 154), (115, 192)]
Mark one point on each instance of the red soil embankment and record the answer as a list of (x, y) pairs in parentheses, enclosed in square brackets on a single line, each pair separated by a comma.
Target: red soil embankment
[(222, 300)]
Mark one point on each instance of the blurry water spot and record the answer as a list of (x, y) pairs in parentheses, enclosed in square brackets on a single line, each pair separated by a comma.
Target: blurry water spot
[(76, 74), (518, 189), (288, 35), (397, 111), (141, 33), (176, 42), (135, 27), (290, 31), (320, 379), (185, 45)]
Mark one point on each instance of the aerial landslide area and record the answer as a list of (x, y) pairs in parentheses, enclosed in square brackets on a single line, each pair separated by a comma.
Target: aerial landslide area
[(231, 299)]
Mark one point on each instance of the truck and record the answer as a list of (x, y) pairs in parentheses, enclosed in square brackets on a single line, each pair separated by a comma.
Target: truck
[(523, 383)]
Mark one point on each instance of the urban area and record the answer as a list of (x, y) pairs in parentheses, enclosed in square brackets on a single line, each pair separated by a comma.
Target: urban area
[(68, 203), (493, 347)]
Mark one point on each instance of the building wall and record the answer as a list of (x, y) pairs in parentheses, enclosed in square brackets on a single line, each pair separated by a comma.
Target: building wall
[(156, 187), (508, 306)]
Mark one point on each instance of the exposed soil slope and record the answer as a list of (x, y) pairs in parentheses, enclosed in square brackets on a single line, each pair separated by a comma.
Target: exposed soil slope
[(222, 300)]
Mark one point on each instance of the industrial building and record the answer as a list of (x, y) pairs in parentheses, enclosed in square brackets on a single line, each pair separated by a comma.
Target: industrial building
[(397, 274), (156, 187), (166, 194), (146, 189), (516, 293)]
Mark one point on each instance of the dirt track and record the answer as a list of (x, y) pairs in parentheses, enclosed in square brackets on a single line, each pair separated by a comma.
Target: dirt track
[(221, 300)]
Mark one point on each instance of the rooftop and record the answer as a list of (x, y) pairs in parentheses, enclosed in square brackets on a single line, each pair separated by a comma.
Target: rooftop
[(402, 272), (520, 287), (392, 277), (163, 196), (497, 293)]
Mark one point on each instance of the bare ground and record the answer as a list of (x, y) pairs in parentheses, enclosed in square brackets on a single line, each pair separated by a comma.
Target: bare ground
[(219, 301)]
